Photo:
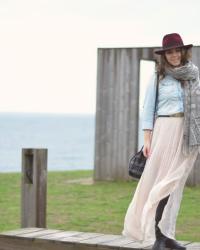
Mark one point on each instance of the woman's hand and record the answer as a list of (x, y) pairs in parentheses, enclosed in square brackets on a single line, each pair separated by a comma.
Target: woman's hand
[(147, 142), (146, 149)]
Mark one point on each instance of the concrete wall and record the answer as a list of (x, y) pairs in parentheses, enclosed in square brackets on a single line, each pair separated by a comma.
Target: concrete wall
[(117, 109)]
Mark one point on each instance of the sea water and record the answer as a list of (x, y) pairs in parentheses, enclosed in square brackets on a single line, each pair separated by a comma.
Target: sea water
[(69, 139)]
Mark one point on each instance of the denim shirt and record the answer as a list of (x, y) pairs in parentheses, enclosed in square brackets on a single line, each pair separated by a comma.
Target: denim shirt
[(170, 99)]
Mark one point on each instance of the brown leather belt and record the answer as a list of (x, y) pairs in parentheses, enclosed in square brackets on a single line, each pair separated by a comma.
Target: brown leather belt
[(180, 114)]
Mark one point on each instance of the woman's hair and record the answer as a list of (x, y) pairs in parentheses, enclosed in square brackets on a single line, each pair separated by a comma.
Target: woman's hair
[(186, 54)]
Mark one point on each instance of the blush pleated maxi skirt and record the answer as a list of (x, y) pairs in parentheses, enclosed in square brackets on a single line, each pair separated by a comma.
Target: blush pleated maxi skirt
[(165, 173)]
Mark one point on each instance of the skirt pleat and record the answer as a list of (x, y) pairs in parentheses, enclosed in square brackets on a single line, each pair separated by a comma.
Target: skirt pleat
[(165, 173)]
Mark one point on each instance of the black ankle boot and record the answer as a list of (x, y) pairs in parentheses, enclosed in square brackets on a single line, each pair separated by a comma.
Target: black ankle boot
[(169, 243), (160, 243), (173, 244), (163, 241)]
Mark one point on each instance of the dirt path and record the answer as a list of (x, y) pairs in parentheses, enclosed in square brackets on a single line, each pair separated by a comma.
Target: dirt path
[(85, 181)]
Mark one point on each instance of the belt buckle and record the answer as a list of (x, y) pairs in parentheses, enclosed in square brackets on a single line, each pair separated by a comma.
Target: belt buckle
[(177, 115)]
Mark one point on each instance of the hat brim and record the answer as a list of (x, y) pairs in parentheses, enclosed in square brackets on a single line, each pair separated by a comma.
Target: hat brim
[(161, 51)]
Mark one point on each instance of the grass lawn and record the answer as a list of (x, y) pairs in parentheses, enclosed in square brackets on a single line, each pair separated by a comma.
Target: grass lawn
[(84, 206)]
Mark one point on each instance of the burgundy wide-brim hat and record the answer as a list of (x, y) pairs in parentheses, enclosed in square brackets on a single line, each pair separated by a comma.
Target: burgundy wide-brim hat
[(171, 41)]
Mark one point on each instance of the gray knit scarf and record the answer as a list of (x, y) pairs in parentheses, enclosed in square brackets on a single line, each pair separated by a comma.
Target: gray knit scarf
[(189, 74)]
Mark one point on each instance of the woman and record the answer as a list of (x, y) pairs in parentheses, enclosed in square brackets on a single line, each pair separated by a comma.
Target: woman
[(171, 145)]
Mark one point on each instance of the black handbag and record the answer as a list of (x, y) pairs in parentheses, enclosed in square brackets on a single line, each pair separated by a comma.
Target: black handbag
[(137, 161), (137, 164)]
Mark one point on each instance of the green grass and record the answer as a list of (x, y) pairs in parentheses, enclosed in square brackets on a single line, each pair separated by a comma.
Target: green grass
[(98, 207)]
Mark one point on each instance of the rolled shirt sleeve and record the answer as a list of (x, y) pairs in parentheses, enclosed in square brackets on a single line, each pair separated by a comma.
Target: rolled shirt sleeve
[(149, 104)]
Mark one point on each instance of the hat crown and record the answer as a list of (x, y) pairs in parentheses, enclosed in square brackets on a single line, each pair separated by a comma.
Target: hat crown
[(170, 40)]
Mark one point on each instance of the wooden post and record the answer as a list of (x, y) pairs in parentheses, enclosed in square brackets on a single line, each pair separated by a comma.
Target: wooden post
[(34, 186)]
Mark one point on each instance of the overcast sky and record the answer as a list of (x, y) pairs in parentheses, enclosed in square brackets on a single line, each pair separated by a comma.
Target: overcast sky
[(48, 49)]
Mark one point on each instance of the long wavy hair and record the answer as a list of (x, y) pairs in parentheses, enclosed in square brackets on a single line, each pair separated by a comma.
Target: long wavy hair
[(186, 54)]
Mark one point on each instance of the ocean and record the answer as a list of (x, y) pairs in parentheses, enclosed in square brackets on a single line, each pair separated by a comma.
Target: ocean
[(69, 139)]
